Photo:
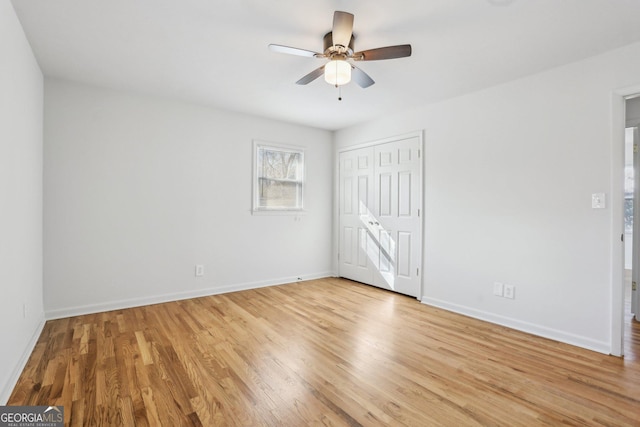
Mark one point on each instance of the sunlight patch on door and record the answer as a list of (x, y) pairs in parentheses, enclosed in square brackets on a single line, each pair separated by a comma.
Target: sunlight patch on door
[(378, 245)]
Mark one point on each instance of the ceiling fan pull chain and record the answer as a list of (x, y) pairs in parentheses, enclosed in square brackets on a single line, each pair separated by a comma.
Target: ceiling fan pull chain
[(339, 92)]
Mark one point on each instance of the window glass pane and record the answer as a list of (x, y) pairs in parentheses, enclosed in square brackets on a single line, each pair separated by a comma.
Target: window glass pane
[(279, 194), (279, 178), (628, 215), (280, 164)]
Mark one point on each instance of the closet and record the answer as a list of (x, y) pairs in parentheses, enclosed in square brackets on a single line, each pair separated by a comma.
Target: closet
[(380, 214)]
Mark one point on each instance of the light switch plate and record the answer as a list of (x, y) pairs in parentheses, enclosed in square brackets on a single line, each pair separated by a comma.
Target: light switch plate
[(598, 201), (199, 270)]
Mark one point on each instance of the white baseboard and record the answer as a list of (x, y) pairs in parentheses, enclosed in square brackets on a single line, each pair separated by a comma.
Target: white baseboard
[(17, 370), (176, 296), (542, 331)]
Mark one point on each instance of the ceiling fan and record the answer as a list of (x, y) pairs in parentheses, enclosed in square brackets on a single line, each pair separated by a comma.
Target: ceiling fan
[(338, 49)]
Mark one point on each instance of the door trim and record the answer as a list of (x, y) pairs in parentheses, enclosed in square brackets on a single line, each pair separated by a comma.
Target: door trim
[(635, 250)]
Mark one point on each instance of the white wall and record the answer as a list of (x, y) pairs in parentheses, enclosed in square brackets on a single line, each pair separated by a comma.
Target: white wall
[(509, 173), (20, 200), (139, 190)]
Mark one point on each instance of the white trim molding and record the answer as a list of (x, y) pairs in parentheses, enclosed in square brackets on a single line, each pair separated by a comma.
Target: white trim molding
[(176, 296), (17, 370), (531, 328)]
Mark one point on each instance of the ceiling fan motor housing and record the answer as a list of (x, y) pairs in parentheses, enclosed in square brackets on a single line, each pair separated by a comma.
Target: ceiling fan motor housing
[(329, 47)]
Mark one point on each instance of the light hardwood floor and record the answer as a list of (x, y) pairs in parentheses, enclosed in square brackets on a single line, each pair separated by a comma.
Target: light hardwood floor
[(323, 352)]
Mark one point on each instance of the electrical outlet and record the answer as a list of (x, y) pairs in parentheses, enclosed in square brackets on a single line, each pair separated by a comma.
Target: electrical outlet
[(509, 291), (498, 289), (199, 270)]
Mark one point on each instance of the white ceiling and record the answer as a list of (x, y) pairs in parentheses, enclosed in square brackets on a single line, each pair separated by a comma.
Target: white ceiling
[(214, 52)]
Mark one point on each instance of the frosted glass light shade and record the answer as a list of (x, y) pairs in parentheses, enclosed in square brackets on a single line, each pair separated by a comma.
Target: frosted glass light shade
[(337, 72)]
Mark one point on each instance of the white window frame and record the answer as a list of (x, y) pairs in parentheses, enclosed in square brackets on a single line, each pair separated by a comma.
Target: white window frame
[(267, 210)]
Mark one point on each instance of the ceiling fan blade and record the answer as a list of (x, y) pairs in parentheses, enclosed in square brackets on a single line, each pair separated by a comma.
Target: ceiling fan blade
[(342, 28), (311, 76), (389, 52), (292, 50), (360, 77)]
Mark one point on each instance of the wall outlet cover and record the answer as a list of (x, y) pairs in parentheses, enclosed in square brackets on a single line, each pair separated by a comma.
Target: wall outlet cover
[(498, 289), (509, 291)]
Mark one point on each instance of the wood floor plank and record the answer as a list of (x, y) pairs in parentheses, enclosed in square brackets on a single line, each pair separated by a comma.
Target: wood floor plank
[(326, 352)]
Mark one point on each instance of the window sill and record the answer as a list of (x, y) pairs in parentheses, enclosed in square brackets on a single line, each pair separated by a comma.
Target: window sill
[(277, 212)]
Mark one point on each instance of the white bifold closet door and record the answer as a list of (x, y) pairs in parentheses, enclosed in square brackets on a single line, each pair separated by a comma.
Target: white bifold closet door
[(380, 215)]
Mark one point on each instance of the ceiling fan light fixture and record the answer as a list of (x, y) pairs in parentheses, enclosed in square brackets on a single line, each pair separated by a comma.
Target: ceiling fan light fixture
[(337, 72)]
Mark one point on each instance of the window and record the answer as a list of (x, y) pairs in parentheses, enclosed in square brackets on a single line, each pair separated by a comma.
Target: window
[(278, 178)]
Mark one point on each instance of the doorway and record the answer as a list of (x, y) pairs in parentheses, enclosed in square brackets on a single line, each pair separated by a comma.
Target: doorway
[(631, 209), (621, 112)]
